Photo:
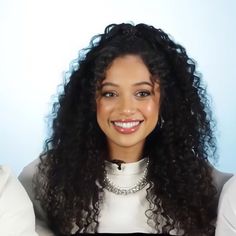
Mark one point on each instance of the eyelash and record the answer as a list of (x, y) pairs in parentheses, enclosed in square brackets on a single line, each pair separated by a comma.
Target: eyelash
[(139, 94), (108, 94), (147, 93)]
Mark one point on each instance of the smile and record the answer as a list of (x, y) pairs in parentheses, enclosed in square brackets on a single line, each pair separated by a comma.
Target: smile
[(127, 127)]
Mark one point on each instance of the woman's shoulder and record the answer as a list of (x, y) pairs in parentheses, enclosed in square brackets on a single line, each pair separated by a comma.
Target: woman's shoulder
[(226, 219), (229, 189), (10, 187), (219, 178), (5, 174), (30, 169), (227, 201), (26, 177), (14, 203), (9, 184)]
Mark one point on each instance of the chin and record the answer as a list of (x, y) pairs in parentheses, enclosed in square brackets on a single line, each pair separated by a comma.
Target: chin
[(128, 143)]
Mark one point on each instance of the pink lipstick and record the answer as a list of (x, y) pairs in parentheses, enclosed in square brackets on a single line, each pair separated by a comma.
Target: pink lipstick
[(127, 126)]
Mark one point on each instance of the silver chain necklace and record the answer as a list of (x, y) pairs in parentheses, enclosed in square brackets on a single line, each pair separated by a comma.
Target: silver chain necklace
[(112, 187)]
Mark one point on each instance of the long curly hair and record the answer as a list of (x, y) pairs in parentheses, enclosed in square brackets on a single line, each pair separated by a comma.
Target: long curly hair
[(181, 191)]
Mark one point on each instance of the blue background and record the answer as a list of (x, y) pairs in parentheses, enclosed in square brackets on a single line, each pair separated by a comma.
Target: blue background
[(38, 40)]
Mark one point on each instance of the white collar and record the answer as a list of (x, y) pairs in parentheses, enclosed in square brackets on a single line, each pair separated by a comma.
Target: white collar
[(126, 168)]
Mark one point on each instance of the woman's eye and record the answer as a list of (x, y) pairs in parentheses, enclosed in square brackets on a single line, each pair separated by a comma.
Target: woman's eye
[(108, 94), (143, 93)]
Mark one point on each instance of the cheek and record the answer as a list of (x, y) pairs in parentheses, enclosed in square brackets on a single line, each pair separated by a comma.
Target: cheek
[(104, 110), (104, 107), (151, 110), (151, 113)]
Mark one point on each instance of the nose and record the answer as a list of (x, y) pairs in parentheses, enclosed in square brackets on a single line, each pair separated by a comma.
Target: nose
[(126, 106)]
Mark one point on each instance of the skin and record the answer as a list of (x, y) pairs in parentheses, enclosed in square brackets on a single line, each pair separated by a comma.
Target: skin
[(127, 95)]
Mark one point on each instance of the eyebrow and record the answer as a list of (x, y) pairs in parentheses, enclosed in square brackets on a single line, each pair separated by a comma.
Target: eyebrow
[(136, 84)]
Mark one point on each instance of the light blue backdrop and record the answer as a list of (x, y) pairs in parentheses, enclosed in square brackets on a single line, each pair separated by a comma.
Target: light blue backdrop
[(38, 39)]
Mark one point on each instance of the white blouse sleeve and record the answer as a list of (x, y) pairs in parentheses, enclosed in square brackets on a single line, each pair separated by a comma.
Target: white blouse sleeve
[(16, 210), (26, 178), (226, 221)]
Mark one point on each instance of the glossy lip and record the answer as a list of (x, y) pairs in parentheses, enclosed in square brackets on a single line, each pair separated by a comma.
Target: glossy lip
[(126, 130)]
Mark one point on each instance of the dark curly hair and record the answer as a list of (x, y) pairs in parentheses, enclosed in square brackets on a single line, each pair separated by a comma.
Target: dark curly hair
[(72, 163)]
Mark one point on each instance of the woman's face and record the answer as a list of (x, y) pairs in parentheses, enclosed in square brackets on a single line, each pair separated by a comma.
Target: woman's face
[(128, 102)]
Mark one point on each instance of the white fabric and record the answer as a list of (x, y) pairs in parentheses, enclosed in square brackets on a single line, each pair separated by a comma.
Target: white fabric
[(26, 178), (125, 213), (16, 211), (226, 221), (114, 212)]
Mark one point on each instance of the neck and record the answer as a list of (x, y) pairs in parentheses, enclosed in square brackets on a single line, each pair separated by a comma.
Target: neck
[(125, 154)]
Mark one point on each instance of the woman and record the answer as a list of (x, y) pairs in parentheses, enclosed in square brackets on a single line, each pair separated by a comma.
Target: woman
[(16, 211), (132, 136)]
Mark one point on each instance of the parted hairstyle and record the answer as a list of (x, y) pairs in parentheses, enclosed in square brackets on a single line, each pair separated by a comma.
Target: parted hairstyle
[(69, 181)]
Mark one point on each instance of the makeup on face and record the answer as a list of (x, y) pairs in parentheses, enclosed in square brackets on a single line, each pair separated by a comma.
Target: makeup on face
[(127, 102)]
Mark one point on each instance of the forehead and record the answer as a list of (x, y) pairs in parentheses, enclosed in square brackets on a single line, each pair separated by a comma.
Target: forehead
[(128, 69)]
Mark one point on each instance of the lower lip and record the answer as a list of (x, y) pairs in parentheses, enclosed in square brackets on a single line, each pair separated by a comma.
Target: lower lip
[(127, 130)]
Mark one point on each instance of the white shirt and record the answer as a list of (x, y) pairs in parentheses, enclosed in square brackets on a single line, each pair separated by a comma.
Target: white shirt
[(116, 215), (226, 221), (16, 210), (125, 213)]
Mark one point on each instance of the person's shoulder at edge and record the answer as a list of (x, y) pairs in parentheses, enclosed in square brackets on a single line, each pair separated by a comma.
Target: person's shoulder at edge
[(16, 211), (226, 220), (219, 178), (26, 178)]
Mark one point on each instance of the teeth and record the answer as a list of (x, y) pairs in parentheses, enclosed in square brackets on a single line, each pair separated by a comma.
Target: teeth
[(126, 125)]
